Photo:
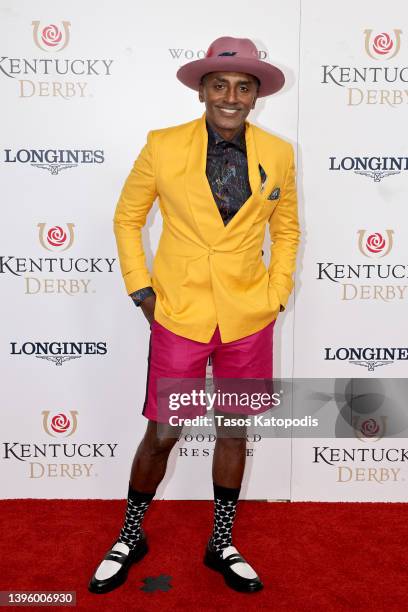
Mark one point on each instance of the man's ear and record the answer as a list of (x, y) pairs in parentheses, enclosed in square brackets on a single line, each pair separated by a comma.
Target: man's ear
[(201, 93)]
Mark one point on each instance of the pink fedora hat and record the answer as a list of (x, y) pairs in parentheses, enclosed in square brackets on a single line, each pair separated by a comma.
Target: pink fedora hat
[(233, 55)]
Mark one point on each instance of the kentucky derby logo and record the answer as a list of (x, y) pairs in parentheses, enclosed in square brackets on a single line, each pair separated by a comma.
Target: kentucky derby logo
[(383, 83), (60, 425), (51, 37), (382, 46), (57, 274), (54, 76), (56, 238), (369, 429), (375, 245)]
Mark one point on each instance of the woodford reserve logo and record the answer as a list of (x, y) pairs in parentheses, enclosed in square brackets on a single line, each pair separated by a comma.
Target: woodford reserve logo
[(375, 84), (383, 282), (54, 274), (49, 76), (185, 55), (59, 459)]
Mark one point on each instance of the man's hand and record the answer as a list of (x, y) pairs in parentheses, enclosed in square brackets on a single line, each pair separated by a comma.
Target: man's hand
[(147, 306)]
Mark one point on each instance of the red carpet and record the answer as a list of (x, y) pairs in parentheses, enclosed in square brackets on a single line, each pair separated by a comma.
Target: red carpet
[(311, 556)]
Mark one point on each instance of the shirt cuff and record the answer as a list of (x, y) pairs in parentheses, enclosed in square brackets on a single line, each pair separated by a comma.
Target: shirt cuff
[(139, 295)]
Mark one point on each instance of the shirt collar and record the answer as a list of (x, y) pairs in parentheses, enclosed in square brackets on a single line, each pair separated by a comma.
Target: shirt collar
[(238, 141)]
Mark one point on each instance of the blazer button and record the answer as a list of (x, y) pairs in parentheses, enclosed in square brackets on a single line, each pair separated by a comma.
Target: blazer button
[(211, 251)]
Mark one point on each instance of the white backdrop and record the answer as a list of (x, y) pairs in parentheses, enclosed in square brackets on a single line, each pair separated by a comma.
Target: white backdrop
[(351, 220), (91, 79)]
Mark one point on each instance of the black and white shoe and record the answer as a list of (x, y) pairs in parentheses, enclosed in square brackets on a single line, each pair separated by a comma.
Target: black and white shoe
[(113, 570), (238, 574)]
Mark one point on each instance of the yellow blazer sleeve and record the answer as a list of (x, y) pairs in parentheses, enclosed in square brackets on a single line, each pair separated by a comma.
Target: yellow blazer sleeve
[(136, 199), (285, 235)]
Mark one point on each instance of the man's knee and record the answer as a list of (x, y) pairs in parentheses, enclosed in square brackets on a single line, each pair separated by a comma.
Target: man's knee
[(156, 443), (231, 443), (231, 436)]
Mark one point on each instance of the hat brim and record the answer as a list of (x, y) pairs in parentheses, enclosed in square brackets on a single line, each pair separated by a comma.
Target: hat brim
[(271, 78)]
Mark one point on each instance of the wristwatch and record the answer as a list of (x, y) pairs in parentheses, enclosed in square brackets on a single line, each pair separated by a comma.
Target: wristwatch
[(141, 294)]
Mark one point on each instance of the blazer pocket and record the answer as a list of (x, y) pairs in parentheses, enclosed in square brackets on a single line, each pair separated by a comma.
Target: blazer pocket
[(169, 275), (266, 208), (258, 268)]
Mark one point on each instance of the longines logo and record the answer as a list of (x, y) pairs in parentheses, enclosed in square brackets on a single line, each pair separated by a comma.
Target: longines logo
[(58, 352), (375, 168), (54, 160), (371, 84), (371, 281), (368, 357), (56, 238), (66, 457), (44, 74)]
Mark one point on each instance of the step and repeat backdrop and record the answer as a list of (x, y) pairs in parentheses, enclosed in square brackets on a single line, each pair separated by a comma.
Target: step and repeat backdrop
[(81, 85)]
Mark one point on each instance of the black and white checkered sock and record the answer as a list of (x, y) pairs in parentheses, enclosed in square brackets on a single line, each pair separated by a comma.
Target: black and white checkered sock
[(137, 504), (225, 505)]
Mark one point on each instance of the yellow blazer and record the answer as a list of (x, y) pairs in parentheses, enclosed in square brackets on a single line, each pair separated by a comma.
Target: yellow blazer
[(206, 273)]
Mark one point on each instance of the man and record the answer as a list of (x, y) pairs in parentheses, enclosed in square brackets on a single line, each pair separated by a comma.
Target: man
[(219, 180)]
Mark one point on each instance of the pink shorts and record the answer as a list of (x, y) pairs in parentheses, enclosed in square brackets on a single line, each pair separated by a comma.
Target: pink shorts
[(173, 356)]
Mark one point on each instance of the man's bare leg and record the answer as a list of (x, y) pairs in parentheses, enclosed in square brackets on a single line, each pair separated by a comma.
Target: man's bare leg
[(229, 462), (228, 470), (150, 460), (148, 469)]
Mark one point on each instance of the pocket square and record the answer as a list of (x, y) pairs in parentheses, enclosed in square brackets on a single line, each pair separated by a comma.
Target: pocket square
[(275, 193), (263, 177)]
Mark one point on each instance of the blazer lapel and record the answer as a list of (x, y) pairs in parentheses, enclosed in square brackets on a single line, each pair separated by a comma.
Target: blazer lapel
[(200, 198), (203, 207), (236, 229)]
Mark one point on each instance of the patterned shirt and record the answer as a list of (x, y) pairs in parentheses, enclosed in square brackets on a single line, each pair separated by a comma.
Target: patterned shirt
[(227, 174)]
